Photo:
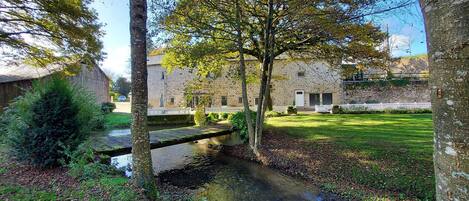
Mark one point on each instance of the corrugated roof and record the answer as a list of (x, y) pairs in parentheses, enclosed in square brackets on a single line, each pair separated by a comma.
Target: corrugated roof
[(25, 72)]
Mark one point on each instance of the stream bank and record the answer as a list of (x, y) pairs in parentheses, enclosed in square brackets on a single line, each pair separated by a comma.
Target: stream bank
[(200, 171)]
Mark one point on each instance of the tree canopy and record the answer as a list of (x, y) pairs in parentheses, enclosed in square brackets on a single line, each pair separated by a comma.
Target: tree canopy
[(200, 29), (44, 32), (122, 86), (205, 34)]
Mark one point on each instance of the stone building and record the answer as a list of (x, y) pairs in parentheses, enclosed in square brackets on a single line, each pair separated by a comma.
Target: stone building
[(295, 82), (299, 83), (14, 80)]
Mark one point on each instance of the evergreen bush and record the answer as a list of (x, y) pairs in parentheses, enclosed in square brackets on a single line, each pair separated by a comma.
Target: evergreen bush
[(51, 117)]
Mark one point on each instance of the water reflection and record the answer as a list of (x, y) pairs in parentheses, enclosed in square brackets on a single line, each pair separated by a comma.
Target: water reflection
[(217, 177)]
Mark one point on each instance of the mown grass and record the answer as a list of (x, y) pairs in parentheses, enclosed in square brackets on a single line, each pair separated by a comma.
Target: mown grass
[(394, 150), (117, 120)]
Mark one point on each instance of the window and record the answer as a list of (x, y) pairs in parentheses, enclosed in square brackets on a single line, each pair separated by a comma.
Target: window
[(171, 100), (162, 75), (314, 99), (327, 98), (240, 100), (301, 74), (224, 101), (256, 101)]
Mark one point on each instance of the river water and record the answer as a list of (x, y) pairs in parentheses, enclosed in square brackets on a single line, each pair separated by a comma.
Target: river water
[(201, 167)]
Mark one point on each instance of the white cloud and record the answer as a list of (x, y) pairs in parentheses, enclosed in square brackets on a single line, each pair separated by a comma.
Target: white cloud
[(399, 41), (400, 44), (117, 61)]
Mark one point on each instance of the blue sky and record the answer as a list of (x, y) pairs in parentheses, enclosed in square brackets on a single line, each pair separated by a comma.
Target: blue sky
[(406, 29)]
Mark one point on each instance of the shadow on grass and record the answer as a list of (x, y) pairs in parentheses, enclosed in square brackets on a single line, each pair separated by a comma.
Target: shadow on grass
[(384, 152)]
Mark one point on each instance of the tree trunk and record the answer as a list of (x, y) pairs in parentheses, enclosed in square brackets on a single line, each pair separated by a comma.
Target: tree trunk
[(264, 77), (447, 29), (270, 104), (242, 72), (265, 103), (142, 171)]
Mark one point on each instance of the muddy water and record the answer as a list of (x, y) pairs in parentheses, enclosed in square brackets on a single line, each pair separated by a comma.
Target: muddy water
[(200, 166)]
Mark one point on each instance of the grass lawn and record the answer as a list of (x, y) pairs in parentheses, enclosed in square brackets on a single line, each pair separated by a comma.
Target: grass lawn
[(117, 120), (393, 152)]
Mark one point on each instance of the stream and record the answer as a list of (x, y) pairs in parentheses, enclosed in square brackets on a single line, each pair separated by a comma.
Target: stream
[(201, 167)]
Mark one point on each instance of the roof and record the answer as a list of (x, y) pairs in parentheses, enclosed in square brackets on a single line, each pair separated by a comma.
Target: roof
[(24, 72), (15, 73)]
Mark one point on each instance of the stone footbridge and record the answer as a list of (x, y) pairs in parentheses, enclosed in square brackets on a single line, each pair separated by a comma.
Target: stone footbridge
[(119, 142)]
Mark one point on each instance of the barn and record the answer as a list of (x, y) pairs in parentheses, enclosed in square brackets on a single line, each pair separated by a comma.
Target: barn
[(14, 80)]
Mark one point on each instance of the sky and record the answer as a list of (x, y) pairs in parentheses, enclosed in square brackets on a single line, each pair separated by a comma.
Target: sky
[(406, 29)]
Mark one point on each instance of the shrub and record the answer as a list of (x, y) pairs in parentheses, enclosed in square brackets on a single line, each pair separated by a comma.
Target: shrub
[(230, 116), (108, 107), (212, 117), (336, 109), (364, 110), (223, 115), (51, 117), (400, 82), (273, 114), (239, 122), (199, 117), (291, 110), (371, 101), (84, 166)]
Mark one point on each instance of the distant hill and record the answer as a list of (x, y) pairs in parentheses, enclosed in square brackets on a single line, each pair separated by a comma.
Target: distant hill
[(410, 64)]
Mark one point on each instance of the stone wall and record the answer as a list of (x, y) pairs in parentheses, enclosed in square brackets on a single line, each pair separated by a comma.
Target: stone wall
[(415, 91)]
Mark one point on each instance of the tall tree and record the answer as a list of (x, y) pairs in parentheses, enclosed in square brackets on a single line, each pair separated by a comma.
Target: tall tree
[(447, 28), (44, 32), (332, 30), (142, 171), (122, 85), (242, 73)]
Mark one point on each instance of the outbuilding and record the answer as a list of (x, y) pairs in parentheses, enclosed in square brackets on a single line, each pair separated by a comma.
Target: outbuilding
[(15, 80)]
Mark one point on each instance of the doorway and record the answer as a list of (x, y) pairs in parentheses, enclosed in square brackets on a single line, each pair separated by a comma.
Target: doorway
[(299, 98)]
